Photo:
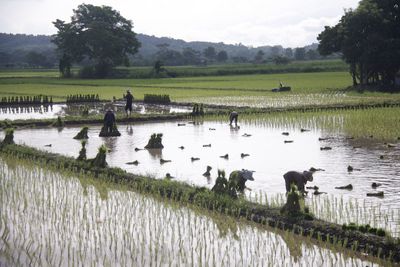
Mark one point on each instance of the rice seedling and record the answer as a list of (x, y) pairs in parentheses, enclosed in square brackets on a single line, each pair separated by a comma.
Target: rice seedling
[(70, 224)]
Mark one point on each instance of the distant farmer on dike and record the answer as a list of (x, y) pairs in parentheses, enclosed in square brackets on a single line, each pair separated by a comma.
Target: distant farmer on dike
[(233, 117), (129, 100), (109, 120)]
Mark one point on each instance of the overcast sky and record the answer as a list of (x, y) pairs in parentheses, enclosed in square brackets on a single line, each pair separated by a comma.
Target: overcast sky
[(290, 23)]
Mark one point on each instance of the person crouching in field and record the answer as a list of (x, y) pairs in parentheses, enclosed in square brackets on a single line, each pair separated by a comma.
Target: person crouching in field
[(109, 120), (129, 100)]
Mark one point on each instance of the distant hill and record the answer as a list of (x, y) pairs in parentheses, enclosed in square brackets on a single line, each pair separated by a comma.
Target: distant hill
[(14, 50)]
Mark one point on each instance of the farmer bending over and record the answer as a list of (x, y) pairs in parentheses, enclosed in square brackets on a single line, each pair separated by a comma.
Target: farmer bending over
[(109, 120), (233, 117)]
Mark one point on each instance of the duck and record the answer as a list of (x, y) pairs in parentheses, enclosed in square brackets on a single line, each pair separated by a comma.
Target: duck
[(242, 155), (285, 133), (207, 173), (326, 148), (226, 156), (209, 145), (162, 161), (194, 159), (350, 169), (133, 162), (375, 185), (138, 149), (324, 138), (288, 141), (181, 147), (316, 192), (312, 169), (312, 187), (378, 194), (347, 187)]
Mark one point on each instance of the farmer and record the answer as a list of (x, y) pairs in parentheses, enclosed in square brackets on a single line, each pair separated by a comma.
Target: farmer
[(233, 117), (129, 100), (109, 120), (297, 178)]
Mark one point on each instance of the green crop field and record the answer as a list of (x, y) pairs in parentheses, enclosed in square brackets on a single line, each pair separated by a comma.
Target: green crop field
[(308, 89)]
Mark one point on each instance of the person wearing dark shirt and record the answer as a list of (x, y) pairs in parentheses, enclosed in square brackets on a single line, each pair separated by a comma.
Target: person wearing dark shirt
[(109, 120), (129, 100)]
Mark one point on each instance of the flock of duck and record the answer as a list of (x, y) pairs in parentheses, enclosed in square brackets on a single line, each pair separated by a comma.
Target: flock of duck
[(243, 155)]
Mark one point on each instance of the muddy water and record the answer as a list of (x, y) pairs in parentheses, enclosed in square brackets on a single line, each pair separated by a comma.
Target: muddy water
[(53, 111), (269, 156)]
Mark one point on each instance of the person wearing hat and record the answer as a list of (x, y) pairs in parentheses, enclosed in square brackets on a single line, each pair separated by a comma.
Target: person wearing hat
[(129, 100)]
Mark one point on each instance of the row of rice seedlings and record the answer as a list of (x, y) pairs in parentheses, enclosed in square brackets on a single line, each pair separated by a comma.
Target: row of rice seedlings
[(284, 100), (50, 219), (340, 210), (378, 122)]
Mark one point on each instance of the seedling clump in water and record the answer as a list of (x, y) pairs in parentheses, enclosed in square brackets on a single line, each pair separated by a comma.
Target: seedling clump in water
[(155, 141), (59, 122), (83, 134), (82, 152), (105, 133), (100, 159), (9, 138)]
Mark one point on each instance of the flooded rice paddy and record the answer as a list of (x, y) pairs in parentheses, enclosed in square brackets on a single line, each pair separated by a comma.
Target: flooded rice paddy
[(50, 219), (270, 154), (55, 110)]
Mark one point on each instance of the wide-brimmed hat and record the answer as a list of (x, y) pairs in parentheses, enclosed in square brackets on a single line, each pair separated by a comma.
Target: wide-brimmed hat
[(109, 107)]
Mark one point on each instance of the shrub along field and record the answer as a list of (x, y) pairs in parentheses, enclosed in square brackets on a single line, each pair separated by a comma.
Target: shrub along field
[(191, 71)]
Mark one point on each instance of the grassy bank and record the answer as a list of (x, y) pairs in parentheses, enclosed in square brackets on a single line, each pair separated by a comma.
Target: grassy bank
[(240, 208)]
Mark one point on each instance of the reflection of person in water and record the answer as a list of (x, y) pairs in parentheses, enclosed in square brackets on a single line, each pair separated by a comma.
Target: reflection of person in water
[(129, 129), (233, 117)]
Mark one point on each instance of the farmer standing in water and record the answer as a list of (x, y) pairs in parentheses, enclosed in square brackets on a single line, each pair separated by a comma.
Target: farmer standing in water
[(129, 100), (233, 117)]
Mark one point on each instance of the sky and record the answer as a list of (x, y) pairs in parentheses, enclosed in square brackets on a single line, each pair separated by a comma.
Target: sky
[(290, 23)]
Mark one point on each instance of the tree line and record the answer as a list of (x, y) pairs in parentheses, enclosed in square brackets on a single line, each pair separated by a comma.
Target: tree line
[(368, 38)]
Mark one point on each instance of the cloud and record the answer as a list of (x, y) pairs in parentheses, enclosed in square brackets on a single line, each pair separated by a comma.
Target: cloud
[(251, 22)]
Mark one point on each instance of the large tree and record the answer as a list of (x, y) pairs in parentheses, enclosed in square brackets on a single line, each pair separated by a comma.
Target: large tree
[(369, 40), (97, 34)]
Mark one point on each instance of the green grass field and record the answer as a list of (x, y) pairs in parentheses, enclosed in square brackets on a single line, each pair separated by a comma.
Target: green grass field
[(308, 89)]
